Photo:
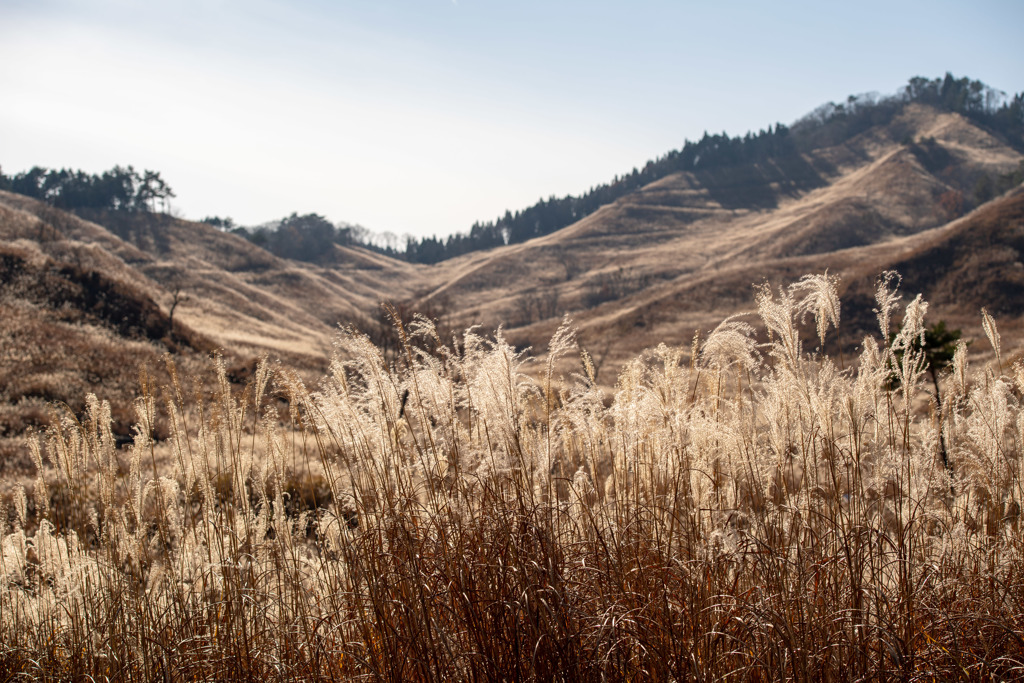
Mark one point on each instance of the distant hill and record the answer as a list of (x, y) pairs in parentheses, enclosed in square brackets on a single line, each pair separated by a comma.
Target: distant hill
[(85, 304), (749, 171), (915, 183), (679, 254), (76, 319)]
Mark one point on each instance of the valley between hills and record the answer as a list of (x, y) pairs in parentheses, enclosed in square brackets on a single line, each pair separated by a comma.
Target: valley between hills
[(87, 299)]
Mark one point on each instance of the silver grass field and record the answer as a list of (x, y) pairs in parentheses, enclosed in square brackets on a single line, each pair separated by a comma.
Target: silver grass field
[(742, 508)]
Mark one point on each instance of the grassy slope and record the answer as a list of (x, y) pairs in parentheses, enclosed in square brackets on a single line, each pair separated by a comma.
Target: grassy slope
[(85, 306), (77, 319), (655, 266), (671, 258), (754, 515)]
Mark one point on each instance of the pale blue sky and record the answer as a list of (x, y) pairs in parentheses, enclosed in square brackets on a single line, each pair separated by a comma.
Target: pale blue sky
[(423, 116)]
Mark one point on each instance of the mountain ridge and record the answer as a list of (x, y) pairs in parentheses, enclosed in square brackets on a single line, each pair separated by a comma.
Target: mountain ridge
[(660, 263)]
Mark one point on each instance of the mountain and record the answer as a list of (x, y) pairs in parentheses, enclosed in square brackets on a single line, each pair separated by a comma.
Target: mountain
[(682, 252), (84, 306), (739, 171), (86, 297)]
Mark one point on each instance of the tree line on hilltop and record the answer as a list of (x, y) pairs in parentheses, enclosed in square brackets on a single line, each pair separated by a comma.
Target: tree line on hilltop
[(119, 189), (308, 237), (554, 213)]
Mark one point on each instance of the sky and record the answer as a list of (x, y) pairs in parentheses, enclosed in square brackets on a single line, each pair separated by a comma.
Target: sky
[(423, 116)]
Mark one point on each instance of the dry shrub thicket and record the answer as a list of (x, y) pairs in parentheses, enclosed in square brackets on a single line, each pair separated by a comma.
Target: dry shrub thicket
[(758, 513)]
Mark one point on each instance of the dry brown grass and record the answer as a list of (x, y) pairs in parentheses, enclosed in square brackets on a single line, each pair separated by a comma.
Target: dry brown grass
[(756, 513), (67, 330)]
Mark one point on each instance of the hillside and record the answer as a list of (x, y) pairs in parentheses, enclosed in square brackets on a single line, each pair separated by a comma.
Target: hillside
[(84, 307), (679, 254), (87, 297), (749, 171)]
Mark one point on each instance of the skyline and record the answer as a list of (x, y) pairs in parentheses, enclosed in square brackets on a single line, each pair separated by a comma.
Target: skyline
[(423, 117)]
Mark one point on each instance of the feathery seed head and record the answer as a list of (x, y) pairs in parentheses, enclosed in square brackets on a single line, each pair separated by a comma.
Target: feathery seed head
[(887, 298), (960, 367), (821, 299), (732, 342), (988, 324)]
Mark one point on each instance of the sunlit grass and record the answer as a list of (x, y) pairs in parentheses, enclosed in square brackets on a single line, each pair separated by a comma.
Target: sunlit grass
[(745, 511)]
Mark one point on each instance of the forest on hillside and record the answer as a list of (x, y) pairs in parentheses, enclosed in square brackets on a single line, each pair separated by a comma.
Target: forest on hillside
[(119, 189)]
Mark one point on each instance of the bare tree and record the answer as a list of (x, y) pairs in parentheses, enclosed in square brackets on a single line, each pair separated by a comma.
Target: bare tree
[(178, 296), (383, 328), (533, 305), (526, 306)]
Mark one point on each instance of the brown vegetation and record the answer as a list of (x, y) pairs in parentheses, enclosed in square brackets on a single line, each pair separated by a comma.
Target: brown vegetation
[(753, 512), (69, 330)]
